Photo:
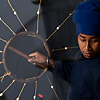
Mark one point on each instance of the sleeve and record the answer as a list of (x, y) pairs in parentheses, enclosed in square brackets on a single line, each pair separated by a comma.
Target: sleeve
[(63, 69)]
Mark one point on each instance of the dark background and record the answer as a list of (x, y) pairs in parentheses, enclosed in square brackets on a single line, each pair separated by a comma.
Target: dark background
[(52, 14)]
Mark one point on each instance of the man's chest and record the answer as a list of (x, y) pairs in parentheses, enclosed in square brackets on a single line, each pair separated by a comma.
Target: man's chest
[(85, 74)]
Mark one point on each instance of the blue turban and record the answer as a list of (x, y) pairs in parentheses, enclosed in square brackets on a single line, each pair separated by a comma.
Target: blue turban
[(87, 18)]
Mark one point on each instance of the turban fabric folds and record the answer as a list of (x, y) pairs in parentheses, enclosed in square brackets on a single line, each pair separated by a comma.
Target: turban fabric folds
[(87, 18)]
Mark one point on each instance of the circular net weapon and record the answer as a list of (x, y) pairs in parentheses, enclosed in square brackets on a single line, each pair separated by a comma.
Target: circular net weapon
[(15, 55)]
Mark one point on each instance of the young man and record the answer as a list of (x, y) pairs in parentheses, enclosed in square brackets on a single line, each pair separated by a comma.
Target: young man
[(84, 73)]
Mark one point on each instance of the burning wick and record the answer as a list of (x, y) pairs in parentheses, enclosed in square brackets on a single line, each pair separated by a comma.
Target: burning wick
[(40, 95)]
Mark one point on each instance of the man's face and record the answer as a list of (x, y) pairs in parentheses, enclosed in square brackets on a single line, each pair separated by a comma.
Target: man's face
[(89, 45)]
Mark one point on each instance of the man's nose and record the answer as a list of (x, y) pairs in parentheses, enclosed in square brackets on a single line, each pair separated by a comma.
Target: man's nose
[(88, 46)]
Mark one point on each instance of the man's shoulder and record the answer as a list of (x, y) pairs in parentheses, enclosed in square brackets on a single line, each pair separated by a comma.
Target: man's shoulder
[(78, 56)]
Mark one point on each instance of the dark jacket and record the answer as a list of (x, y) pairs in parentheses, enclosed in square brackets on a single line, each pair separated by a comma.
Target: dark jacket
[(83, 75)]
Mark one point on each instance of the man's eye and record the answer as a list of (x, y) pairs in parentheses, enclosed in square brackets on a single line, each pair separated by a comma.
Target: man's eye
[(82, 40), (94, 41)]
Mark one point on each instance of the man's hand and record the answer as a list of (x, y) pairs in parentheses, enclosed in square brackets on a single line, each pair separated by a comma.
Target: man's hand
[(39, 59)]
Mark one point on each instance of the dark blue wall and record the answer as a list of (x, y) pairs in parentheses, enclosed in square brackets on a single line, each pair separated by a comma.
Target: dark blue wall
[(52, 14)]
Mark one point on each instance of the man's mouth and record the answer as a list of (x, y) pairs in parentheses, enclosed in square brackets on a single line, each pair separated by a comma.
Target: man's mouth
[(88, 55)]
